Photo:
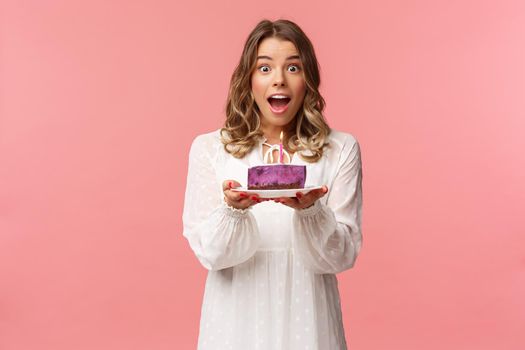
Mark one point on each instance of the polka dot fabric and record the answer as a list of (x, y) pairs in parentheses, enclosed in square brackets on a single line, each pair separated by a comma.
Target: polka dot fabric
[(272, 281)]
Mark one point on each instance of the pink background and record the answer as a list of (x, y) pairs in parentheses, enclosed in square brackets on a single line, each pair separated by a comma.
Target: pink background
[(99, 101)]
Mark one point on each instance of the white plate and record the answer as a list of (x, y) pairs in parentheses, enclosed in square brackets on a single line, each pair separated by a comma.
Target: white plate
[(277, 193)]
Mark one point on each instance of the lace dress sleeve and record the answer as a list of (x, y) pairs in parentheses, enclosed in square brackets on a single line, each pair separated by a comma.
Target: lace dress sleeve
[(219, 235), (328, 237)]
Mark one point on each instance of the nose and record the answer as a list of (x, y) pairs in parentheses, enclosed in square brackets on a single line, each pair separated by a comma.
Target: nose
[(279, 79)]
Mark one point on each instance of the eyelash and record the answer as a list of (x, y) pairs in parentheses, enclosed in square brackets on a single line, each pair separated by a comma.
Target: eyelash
[(265, 65)]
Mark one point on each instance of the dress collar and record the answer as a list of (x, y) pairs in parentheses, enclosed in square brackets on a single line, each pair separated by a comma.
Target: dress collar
[(259, 155)]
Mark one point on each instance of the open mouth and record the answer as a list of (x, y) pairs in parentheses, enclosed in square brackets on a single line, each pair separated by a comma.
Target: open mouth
[(278, 104)]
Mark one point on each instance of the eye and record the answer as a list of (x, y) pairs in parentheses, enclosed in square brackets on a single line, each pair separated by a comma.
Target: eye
[(297, 68), (264, 71)]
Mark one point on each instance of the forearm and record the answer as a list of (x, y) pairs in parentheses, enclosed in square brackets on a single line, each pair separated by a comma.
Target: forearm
[(227, 237), (323, 244)]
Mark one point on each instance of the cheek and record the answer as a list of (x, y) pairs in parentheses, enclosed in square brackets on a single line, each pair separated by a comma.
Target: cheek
[(300, 89), (303, 89), (257, 88)]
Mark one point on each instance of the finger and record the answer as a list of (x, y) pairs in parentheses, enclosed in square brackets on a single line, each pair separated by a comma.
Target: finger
[(236, 196), (252, 200), (241, 204), (286, 199), (301, 197), (315, 194), (289, 201), (255, 198), (243, 198), (235, 184), (277, 199), (226, 185), (306, 198), (229, 184)]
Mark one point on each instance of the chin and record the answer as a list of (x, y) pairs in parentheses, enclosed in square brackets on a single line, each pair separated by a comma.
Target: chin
[(279, 121)]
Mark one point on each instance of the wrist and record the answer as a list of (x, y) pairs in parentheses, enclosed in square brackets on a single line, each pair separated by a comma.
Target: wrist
[(311, 210), (233, 210)]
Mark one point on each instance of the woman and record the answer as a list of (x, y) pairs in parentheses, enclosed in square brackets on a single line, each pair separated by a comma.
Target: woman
[(273, 263)]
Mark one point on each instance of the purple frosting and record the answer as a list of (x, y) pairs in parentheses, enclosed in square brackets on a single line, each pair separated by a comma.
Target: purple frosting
[(277, 176)]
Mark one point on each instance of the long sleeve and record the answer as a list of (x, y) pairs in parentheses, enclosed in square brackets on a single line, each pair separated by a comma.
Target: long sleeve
[(328, 237), (219, 235)]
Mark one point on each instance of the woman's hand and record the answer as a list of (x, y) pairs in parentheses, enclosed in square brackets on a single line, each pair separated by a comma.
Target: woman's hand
[(302, 201), (238, 200)]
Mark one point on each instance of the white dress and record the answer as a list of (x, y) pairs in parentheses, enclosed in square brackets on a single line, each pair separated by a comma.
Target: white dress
[(271, 283)]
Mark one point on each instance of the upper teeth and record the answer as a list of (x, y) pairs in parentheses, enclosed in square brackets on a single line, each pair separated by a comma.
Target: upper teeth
[(278, 96)]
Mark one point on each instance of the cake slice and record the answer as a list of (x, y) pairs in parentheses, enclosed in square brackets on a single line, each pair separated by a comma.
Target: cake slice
[(276, 177)]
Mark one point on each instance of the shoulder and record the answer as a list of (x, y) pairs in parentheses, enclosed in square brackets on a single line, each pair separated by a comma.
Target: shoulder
[(343, 142), (207, 139), (206, 144)]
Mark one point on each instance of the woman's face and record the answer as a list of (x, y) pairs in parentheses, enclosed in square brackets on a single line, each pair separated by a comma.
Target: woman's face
[(278, 71)]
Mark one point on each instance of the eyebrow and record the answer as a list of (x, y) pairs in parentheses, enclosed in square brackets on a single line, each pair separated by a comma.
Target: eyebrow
[(287, 59)]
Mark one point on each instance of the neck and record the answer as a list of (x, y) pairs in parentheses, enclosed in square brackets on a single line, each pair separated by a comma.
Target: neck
[(272, 133)]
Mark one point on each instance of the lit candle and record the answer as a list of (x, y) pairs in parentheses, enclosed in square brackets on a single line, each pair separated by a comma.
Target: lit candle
[(281, 148)]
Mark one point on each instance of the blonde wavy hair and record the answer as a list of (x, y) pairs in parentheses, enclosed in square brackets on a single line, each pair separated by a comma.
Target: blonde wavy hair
[(307, 131)]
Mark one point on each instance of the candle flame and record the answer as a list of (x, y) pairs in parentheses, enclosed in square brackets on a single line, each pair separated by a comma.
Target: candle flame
[(281, 136)]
